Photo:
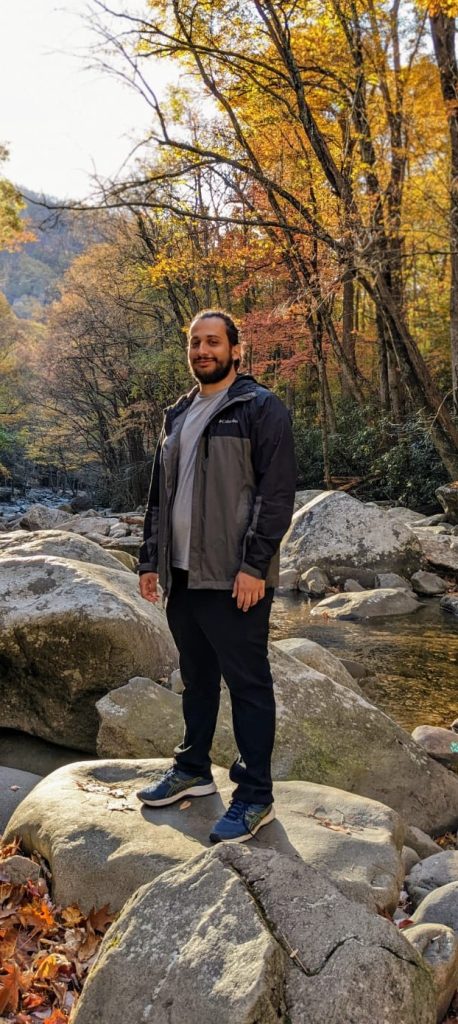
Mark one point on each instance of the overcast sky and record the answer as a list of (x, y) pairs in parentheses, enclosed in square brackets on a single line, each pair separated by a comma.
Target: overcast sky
[(60, 120)]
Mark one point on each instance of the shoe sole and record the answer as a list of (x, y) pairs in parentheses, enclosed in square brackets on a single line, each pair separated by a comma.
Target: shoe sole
[(193, 791), (243, 839)]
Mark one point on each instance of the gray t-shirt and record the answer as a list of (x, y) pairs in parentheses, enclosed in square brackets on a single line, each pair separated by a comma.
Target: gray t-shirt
[(199, 413)]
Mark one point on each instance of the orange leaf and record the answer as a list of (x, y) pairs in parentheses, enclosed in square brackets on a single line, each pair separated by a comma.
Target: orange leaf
[(11, 849), (9, 988), (57, 1017), (38, 915), (32, 1000), (72, 916)]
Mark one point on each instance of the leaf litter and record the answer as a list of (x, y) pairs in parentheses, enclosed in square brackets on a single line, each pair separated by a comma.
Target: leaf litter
[(46, 951)]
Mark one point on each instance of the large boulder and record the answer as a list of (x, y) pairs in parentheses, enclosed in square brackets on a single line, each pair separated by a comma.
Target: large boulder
[(14, 786), (57, 542), (42, 517), (102, 844), (438, 742), (432, 873), (251, 936), (438, 945), (367, 604), (325, 733), (318, 658), (439, 907), (438, 548), (335, 529), (87, 524), (71, 632)]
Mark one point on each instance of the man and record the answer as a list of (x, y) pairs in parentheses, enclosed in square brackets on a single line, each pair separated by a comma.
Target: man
[(221, 498)]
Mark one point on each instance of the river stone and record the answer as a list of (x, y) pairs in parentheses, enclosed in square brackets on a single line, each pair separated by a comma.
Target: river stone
[(448, 497), (438, 548), (432, 873), (71, 632), (409, 859), (56, 542), (450, 604), (421, 842), (440, 743), (336, 529), (367, 605), (314, 582), (18, 870), (131, 545), (41, 517), (14, 786), (365, 577), (328, 734), (435, 520), (128, 561), (439, 907), (288, 579), (403, 515), (263, 939), (352, 587), (317, 657), (87, 524), (428, 583), (101, 843), (391, 581), (438, 945)]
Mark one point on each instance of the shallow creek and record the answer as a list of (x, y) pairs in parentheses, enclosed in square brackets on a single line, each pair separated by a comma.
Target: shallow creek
[(412, 659)]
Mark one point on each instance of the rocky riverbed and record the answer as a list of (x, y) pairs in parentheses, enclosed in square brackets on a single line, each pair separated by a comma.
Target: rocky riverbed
[(304, 920)]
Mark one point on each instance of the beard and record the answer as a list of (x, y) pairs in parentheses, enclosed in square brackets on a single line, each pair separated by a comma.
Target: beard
[(215, 371)]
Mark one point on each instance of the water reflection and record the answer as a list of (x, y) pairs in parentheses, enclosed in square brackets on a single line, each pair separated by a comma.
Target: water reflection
[(414, 657)]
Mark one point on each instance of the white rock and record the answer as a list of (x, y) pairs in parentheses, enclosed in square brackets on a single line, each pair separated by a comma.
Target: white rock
[(367, 605)]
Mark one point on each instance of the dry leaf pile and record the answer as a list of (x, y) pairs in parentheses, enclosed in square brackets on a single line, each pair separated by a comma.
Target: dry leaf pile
[(45, 951)]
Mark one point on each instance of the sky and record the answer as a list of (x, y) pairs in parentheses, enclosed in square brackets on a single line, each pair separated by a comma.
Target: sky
[(61, 120)]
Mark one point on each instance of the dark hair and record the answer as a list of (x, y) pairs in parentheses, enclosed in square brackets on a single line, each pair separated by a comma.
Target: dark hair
[(231, 329)]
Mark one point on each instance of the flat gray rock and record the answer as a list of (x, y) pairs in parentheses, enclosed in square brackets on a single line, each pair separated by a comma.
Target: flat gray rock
[(14, 786), (421, 842), (438, 548), (367, 605), (57, 542), (253, 937), (71, 631), (438, 742), (391, 581), (450, 604), (428, 583), (102, 844)]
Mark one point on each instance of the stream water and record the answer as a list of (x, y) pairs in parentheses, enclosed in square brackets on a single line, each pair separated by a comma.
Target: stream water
[(412, 659)]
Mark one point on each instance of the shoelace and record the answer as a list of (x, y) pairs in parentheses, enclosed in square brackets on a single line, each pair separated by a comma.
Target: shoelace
[(236, 810)]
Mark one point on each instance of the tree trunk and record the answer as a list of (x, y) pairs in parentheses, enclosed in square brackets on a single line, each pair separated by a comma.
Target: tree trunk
[(348, 328), (443, 33)]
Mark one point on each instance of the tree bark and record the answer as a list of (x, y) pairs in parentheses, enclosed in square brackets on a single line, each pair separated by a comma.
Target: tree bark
[(443, 33)]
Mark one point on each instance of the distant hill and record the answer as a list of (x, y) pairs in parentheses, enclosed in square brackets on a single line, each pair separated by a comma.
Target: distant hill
[(29, 278)]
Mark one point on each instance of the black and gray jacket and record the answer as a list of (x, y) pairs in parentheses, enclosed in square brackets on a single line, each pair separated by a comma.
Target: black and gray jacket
[(243, 492)]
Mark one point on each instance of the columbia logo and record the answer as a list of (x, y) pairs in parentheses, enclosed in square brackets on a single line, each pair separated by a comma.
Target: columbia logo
[(228, 421)]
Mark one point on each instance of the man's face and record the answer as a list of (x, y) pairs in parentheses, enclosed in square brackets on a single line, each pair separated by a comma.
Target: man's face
[(210, 353)]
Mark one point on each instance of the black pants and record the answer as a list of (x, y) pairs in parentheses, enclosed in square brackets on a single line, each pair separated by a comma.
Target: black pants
[(215, 638)]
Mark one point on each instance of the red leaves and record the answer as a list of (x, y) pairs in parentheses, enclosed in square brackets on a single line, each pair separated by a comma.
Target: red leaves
[(45, 951)]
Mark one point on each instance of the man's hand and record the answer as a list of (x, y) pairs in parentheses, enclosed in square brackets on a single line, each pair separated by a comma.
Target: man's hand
[(148, 586), (248, 590)]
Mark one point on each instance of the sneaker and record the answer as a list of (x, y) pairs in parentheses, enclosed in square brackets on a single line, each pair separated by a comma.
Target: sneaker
[(241, 821), (173, 786)]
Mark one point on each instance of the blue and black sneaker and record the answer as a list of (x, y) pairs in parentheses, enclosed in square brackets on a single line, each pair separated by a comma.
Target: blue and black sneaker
[(241, 821), (174, 785)]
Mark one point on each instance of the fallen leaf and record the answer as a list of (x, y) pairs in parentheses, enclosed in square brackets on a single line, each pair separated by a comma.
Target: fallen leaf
[(184, 806), (9, 988), (72, 915), (100, 919), (14, 789)]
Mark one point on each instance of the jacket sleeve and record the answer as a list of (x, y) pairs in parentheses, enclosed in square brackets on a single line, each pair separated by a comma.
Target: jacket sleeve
[(272, 452), (148, 557)]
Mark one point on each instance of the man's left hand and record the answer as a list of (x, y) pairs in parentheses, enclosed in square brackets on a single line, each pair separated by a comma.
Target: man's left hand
[(248, 590)]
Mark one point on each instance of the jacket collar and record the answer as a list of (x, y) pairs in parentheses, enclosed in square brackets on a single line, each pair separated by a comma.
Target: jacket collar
[(242, 384)]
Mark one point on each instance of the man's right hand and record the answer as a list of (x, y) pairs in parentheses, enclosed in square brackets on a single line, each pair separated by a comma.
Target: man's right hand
[(148, 586)]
